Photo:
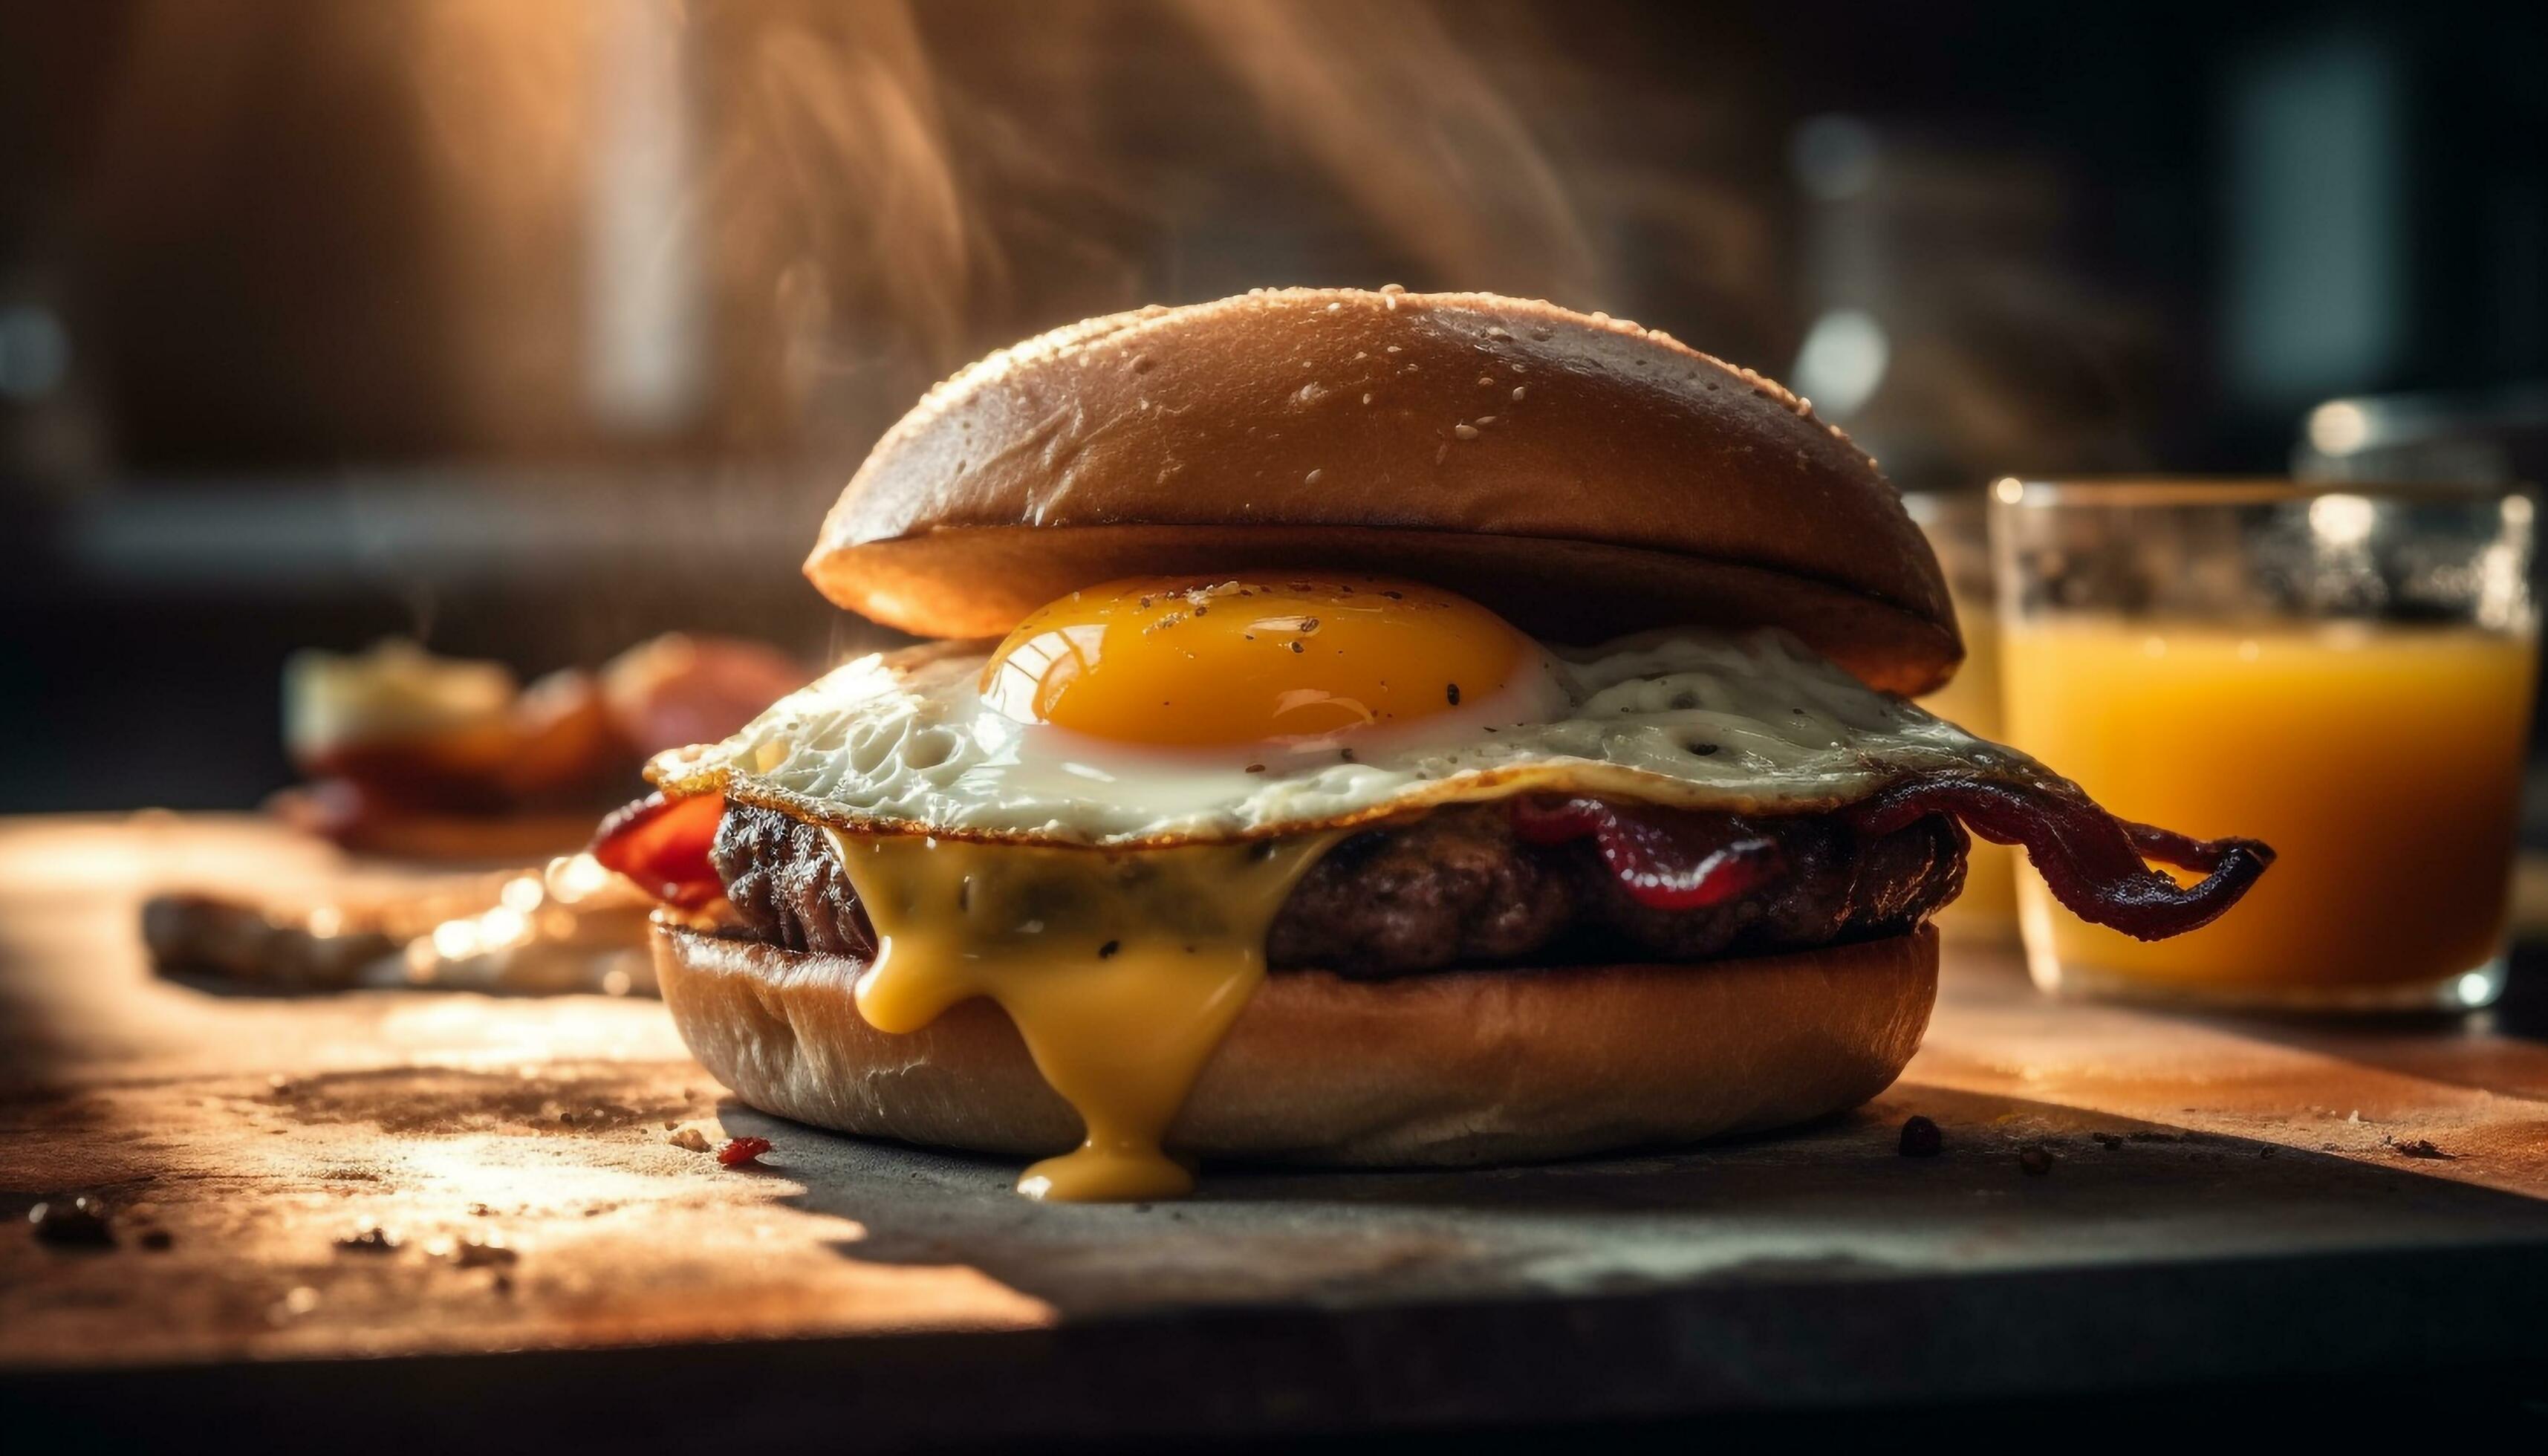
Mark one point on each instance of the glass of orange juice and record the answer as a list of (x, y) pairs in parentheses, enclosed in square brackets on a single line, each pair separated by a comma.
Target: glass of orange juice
[(2344, 672), (1957, 523)]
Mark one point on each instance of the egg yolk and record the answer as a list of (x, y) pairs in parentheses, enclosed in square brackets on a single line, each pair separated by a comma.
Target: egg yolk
[(1177, 662)]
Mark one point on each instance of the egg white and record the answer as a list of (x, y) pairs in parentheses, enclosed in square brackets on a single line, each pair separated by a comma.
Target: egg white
[(1750, 722)]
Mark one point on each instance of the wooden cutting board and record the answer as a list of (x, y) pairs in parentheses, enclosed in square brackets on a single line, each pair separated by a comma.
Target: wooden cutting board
[(2221, 1199)]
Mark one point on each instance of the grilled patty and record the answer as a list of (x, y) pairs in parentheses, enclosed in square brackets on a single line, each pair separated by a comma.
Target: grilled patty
[(1453, 890)]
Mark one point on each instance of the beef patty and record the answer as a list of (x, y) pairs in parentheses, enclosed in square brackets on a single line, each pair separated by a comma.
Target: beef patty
[(1454, 888)]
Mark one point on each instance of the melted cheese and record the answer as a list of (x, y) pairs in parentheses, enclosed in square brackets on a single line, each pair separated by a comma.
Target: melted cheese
[(1122, 971)]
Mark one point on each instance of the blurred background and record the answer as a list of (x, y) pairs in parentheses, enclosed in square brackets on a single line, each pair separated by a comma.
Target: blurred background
[(531, 327)]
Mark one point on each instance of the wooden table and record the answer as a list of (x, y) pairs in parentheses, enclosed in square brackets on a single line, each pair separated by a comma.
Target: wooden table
[(2227, 1200)]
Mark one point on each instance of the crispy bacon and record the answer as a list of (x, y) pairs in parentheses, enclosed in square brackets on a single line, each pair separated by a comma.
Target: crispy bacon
[(2096, 865), (1666, 861), (663, 844)]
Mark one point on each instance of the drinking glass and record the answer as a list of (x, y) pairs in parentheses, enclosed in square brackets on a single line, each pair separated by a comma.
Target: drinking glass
[(2342, 671)]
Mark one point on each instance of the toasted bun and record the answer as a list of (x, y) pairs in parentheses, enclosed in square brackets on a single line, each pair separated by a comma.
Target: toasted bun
[(1463, 1067), (1580, 474)]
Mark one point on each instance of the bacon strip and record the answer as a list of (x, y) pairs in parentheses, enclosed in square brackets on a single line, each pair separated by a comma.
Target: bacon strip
[(2093, 862), (2096, 865), (1664, 860), (663, 844)]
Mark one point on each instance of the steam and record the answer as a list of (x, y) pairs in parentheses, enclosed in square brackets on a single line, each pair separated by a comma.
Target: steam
[(875, 206), (1408, 125), (836, 182), (600, 217)]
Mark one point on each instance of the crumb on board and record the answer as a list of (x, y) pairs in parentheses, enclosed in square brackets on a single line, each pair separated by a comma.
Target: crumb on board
[(481, 1253), (2418, 1147), (79, 1222), (741, 1151)]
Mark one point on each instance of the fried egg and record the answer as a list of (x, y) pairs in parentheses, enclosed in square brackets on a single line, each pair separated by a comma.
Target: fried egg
[(1161, 711)]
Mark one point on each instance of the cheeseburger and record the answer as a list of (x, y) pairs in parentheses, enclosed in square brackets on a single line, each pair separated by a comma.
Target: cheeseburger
[(1363, 728)]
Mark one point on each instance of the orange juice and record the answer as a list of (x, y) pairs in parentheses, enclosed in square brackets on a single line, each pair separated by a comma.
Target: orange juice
[(1987, 909), (2384, 764)]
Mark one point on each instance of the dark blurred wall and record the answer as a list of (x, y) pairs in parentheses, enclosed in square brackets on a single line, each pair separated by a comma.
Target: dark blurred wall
[(533, 326)]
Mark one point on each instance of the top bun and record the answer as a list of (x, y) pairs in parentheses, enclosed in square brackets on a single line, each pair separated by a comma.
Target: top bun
[(1578, 473)]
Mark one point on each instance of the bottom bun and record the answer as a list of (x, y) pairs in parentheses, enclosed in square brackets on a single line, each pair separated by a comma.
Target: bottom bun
[(1457, 1067)]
